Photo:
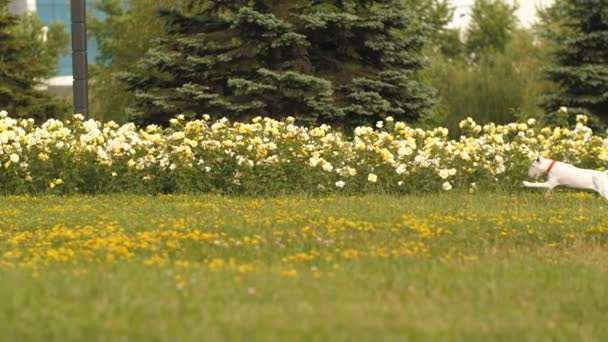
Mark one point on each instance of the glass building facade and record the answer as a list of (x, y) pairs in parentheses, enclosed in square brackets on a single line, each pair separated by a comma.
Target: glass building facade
[(50, 11)]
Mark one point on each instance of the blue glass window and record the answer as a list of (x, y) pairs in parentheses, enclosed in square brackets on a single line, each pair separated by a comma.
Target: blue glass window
[(59, 11)]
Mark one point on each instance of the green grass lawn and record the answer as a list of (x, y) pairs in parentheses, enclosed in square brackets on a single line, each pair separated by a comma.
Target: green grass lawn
[(206, 268)]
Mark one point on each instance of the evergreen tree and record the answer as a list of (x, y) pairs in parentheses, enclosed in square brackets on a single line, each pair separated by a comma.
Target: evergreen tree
[(434, 16), (123, 32), (491, 28), (25, 61), (579, 32), (348, 62)]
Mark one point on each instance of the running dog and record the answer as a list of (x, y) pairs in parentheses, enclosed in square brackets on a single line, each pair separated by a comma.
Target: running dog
[(564, 174)]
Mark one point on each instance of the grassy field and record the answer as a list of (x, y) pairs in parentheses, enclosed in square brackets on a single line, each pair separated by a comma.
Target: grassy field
[(206, 268)]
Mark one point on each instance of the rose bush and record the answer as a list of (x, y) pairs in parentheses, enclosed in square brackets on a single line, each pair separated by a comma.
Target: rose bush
[(273, 157)]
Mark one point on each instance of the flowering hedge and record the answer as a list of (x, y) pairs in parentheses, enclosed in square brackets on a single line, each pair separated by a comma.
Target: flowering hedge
[(267, 156)]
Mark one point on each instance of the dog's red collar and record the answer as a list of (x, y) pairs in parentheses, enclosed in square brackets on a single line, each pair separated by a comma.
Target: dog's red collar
[(550, 167)]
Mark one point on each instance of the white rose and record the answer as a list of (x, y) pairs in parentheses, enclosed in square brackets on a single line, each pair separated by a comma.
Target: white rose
[(447, 186), (327, 167), (372, 178), (401, 169)]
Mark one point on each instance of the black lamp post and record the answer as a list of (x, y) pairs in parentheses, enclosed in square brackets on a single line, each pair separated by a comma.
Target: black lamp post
[(79, 57)]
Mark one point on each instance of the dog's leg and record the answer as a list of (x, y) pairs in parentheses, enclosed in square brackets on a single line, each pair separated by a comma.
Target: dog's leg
[(604, 193), (601, 185), (546, 185), (603, 190)]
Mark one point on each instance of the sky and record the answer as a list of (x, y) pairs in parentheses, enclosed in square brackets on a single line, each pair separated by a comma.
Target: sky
[(526, 12)]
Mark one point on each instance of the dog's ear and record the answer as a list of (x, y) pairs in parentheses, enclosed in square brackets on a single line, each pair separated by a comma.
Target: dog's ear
[(539, 157)]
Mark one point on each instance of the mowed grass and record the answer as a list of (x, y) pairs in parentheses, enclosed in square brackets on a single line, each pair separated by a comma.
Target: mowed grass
[(470, 267)]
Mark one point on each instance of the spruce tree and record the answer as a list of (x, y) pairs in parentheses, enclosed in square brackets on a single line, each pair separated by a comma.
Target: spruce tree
[(347, 62), (25, 61), (578, 30), (123, 31)]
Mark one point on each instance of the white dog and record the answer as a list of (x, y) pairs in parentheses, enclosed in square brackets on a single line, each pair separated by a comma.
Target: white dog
[(567, 175)]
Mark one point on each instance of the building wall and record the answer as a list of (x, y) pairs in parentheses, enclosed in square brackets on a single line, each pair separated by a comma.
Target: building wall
[(21, 6)]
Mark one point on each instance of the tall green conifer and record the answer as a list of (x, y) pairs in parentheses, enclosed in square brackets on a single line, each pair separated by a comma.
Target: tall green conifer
[(347, 62)]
